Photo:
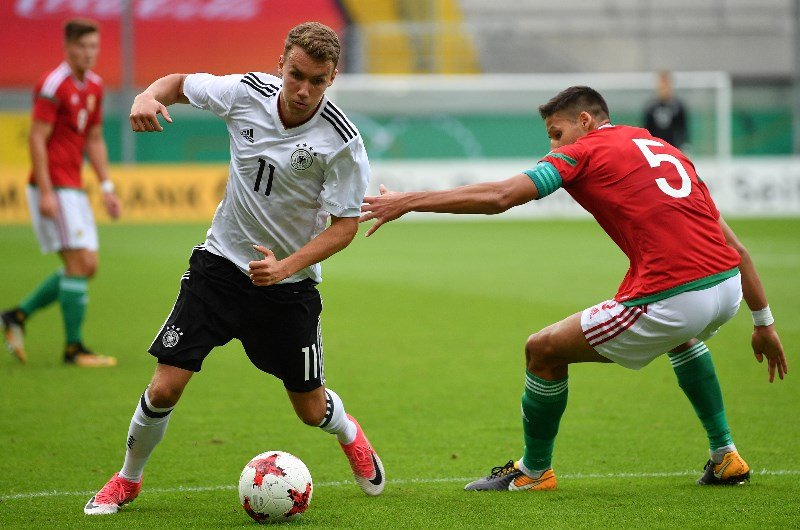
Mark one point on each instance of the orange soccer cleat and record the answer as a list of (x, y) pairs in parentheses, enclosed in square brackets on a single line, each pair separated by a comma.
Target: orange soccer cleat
[(509, 478), (732, 471)]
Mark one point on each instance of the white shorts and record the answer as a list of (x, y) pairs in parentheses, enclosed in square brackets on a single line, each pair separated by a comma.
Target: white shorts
[(634, 336), (74, 226)]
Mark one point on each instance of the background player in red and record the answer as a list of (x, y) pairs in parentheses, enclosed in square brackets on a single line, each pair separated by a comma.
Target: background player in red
[(67, 123), (687, 275)]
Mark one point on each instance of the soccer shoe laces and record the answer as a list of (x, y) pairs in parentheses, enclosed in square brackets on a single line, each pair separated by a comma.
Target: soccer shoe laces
[(502, 471), (361, 460), (114, 492)]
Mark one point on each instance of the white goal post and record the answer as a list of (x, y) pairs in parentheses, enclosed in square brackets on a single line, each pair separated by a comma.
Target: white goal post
[(707, 96), (397, 113)]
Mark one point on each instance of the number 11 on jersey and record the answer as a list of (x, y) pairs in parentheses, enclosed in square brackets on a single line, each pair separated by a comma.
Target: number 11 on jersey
[(261, 164)]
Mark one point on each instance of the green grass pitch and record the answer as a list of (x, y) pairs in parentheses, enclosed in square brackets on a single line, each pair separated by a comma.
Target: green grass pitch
[(424, 327)]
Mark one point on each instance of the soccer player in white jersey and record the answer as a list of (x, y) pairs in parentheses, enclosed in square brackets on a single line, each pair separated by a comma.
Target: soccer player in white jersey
[(296, 161)]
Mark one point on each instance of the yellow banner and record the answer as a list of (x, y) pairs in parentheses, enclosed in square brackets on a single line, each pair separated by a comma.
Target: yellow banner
[(149, 193), (14, 129)]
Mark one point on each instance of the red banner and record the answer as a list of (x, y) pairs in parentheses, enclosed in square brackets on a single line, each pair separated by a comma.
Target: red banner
[(217, 36)]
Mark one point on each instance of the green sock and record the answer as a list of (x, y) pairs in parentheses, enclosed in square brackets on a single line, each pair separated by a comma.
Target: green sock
[(698, 379), (43, 295), (543, 403), (73, 296)]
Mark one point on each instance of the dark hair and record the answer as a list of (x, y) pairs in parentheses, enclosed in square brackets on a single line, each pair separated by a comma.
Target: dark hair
[(78, 27), (316, 39), (574, 100)]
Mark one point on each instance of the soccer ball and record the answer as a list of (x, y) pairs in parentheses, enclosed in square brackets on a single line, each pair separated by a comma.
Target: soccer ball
[(275, 486)]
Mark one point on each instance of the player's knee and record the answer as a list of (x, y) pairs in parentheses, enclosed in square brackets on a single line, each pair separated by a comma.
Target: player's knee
[(685, 346), (312, 421), (84, 265), (311, 413), (539, 352), (90, 265), (311, 418), (164, 395)]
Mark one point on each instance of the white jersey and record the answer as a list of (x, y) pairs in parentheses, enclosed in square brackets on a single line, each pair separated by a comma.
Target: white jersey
[(283, 184)]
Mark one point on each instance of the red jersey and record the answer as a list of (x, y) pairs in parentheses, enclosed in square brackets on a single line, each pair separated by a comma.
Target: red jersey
[(73, 107), (646, 195)]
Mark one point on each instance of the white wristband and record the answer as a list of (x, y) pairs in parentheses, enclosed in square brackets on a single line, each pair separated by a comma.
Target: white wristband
[(763, 317), (107, 186)]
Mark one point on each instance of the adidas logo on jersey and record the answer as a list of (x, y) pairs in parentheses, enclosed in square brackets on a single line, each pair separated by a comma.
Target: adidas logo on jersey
[(248, 135)]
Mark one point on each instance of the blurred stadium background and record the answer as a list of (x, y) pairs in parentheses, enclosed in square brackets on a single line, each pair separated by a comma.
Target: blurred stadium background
[(444, 88), (444, 92)]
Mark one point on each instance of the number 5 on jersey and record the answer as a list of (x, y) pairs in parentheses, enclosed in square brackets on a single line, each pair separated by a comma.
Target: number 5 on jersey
[(261, 164), (656, 160)]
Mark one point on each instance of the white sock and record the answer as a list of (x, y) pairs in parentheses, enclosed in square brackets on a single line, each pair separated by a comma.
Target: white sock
[(717, 455), (533, 473), (336, 421), (147, 428)]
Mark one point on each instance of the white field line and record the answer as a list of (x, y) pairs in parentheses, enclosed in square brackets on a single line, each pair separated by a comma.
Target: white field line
[(87, 493)]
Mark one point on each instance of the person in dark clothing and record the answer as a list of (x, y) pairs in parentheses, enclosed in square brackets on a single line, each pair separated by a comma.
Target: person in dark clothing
[(666, 116)]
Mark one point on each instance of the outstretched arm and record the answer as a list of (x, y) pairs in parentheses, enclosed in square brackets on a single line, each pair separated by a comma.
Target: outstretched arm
[(765, 340), (154, 101), (485, 198)]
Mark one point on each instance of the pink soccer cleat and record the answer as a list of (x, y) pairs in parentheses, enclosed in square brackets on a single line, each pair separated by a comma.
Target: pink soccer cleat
[(114, 494), (365, 463)]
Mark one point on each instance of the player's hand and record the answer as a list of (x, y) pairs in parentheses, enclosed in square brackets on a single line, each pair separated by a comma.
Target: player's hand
[(48, 204), (766, 343), (144, 113), (386, 207), (112, 204), (267, 271)]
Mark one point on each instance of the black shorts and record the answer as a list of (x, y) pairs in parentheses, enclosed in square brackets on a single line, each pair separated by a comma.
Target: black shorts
[(279, 325)]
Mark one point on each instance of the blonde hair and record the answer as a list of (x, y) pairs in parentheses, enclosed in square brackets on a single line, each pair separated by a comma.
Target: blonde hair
[(316, 39)]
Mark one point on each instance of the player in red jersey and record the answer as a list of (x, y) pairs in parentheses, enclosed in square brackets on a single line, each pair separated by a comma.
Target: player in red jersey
[(688, 273), (67, 123)]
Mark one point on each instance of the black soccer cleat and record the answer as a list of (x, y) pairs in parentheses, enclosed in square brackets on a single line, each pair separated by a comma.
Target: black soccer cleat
[(14, 332)]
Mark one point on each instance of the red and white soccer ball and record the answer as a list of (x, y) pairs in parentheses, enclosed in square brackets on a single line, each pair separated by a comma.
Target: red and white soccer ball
[(275, 486)]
